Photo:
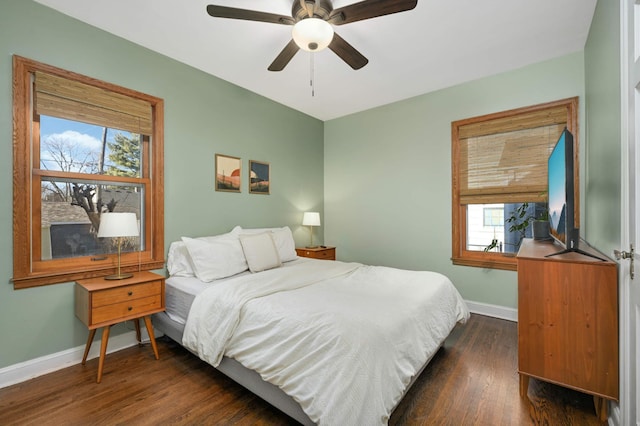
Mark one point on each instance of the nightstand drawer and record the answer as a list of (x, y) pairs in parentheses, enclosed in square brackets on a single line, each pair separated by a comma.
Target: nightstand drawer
[(328, 254), (324, 253), (129, 308), (126, 293)]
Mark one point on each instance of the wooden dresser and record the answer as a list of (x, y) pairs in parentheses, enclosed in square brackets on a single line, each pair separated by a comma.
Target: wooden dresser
[(102, 303), (320, 252), (568, 321)]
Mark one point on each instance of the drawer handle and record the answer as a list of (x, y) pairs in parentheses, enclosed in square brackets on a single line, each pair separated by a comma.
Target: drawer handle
[(130, 293), (129, 308)]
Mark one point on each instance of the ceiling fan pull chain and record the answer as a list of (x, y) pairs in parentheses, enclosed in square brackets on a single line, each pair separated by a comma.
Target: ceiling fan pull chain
[(313, 88)]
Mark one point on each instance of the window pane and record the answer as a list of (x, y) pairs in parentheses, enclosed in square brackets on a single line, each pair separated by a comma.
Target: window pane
[(72, 146), (493, 216), (500, 227), (70, 217)]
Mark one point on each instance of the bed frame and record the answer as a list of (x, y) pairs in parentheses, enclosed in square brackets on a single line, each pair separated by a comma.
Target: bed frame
[(250, 379)]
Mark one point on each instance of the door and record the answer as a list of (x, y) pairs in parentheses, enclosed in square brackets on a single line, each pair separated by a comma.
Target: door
[(630, 287)]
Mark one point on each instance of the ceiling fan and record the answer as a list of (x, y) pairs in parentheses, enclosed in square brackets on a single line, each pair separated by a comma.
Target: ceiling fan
[(313, 20)]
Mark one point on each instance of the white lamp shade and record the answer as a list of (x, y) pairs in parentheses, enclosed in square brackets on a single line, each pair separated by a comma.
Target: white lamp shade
[(312, 34), (118, 225), (311, 219)]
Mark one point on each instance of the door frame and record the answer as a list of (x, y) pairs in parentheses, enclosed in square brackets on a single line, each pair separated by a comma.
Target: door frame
[(628, 184)]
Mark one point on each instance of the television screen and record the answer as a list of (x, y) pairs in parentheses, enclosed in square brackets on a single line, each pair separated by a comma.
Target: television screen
[(557, 190), (561, 200)]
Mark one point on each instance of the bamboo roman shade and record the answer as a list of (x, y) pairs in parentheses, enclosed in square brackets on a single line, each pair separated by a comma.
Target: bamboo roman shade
[(60, 97), (504, 160)]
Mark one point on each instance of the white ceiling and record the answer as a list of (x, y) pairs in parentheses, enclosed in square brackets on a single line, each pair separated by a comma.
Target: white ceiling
[(438, 44)]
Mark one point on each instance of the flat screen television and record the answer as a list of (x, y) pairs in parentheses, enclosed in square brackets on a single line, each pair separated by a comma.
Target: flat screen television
[(561, 196)]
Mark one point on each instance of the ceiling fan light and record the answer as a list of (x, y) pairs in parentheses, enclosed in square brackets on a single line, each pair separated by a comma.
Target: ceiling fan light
[(312, 34)]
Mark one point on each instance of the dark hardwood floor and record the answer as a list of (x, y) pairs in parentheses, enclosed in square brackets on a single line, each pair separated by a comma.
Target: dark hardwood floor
[(472, 380)]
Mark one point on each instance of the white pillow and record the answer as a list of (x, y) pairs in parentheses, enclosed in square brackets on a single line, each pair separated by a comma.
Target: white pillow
[(216, 258), (260, 251), (232, 234), (283, 239), (179, 262)]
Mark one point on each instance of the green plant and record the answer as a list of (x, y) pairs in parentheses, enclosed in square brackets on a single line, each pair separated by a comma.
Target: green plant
[(520, 220), (494, 244)]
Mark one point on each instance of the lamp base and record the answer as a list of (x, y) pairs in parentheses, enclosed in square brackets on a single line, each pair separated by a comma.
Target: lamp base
[(118, 276), (311, 246)]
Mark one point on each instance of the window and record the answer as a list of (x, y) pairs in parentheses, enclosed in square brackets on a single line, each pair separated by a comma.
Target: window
[(499, 173), (82, 147), (493, 216)]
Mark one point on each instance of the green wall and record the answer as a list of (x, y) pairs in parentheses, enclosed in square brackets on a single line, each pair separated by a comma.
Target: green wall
[(388, 174), (602, 224), (203, 116)]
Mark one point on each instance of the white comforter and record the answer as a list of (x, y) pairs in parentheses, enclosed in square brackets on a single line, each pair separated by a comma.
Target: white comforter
[(342, 339)]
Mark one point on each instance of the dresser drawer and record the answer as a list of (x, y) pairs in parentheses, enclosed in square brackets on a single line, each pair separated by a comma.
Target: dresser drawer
[(123, 310), (126, 293)]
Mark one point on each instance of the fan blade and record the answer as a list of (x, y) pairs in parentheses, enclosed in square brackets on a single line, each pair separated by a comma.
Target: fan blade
[(308, 6), (347, 53), (248, 15), (284, 57), (369, 9)]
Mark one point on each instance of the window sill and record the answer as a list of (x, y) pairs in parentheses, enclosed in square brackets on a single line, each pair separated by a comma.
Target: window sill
[(504, 262), (34, 280)]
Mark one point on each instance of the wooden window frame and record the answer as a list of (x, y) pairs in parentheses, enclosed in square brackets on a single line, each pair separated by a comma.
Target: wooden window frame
[(462, 256), (28, 269)]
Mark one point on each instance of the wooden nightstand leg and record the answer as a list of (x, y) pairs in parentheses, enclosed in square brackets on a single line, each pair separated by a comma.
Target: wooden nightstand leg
[(92, 333), (136, 322), (152, 338), (103, 350)]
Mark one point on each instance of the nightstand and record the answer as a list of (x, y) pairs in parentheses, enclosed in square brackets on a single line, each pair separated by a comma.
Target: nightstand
[(101, 303), (326, 253)]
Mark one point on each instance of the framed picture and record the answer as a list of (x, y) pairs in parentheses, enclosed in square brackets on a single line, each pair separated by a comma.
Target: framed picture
[(228, 172), (259, 175)]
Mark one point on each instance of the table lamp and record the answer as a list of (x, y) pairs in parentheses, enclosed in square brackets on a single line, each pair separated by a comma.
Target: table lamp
[(118, 225), (311, 219)]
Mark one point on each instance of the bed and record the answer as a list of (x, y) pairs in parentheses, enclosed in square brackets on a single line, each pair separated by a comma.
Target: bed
[(326, 342)]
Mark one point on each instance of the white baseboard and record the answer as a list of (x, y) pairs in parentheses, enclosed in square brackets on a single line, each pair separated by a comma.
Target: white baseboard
[(495, 311), (49, 363), (26, 370), (614, 414)]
